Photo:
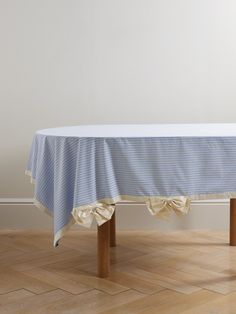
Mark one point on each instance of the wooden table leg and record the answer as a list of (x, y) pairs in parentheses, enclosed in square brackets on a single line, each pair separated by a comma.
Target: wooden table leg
[(113, 230), (103, 249), (232, 230)]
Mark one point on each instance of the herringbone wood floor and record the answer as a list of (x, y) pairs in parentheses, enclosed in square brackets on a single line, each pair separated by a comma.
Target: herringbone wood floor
[(152, 272)]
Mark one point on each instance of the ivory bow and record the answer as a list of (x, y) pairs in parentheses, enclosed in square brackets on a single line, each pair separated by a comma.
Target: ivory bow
[(101, 212), (162, 207)]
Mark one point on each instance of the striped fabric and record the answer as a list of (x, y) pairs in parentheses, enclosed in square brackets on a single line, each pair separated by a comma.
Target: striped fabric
[(73, 170)]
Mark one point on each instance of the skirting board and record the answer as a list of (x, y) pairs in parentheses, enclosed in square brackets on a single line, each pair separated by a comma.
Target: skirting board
[(30, 201), (21, 213)]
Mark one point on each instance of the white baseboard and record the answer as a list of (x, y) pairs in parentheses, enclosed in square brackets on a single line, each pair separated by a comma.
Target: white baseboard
[(30, 201), (21, 213)]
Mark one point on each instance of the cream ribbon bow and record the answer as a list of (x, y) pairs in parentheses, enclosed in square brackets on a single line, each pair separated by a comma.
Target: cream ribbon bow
[(161, 207), (100, 211)]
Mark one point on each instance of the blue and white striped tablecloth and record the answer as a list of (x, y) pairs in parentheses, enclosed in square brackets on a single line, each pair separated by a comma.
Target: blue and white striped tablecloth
[(80, 171)]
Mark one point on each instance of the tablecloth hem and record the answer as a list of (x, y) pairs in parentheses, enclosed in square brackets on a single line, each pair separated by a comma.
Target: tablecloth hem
[(158, 206), (59, 234), (138, 198), (29, 173), (102, 209)]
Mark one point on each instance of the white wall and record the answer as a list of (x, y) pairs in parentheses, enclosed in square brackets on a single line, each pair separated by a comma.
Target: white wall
[(68, 62)]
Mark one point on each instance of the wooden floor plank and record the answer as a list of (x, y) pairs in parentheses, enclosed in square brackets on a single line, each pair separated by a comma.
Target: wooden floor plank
[(224, 305), (106, 285), (71, 285), (166, 301), (187, 272), (163, 281), (134, 282), (11, 280), (14, 296), (97, 302), (32, 303)]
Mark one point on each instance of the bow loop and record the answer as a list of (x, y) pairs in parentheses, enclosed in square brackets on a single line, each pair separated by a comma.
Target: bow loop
[(100, 211), (162, 207)]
